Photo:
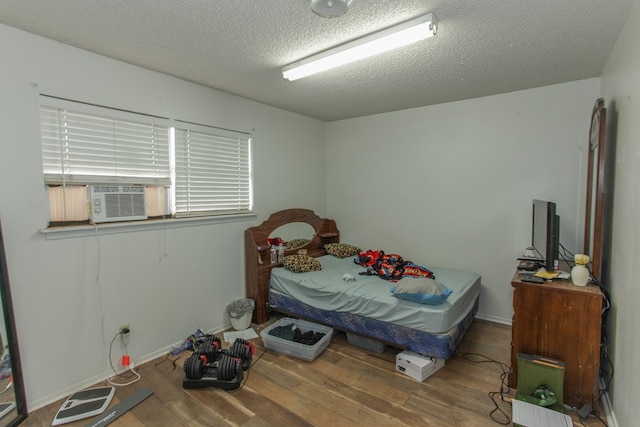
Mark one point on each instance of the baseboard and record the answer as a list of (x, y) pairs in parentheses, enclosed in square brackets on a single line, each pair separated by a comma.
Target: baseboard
[(608, 409), (494, 319), (96, 379), (92, 381)]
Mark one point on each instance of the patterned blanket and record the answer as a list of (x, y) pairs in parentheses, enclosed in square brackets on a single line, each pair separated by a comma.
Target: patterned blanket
[(390, 267)]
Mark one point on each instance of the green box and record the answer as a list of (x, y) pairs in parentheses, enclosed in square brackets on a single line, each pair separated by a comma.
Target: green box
[(535, 371)]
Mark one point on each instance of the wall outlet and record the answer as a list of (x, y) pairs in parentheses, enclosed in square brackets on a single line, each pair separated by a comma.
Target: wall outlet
[(124, 334)]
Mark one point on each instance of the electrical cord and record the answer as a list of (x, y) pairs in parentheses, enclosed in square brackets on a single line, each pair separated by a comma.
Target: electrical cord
[(102, 318), (246, 373), (173, 362), (567, 255), (605, 373), (504, 388), (604, 423), (582, 417), (102, 315), (135, 374), (606, 365)]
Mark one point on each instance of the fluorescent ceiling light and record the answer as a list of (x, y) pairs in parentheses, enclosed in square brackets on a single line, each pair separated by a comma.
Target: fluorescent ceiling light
[(400, 35)]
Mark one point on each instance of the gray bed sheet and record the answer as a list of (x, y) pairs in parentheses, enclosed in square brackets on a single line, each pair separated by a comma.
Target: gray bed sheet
[(370, 296)]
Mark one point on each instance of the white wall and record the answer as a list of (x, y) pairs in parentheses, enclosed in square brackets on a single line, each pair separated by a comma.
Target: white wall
[(165, 283), (451, 185), (447, 185), (621, 92)]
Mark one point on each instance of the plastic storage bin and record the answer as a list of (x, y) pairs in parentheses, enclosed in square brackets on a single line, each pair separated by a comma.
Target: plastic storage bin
[(366, 343), (291, 348)]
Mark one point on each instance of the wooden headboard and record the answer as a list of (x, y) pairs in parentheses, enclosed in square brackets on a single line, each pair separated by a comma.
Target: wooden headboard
[(257, 263)]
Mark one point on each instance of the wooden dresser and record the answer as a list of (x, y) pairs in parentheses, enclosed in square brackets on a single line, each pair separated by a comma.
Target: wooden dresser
[(562, 321)]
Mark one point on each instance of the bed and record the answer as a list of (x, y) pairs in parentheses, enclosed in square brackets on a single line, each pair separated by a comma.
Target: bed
[(364, 306)]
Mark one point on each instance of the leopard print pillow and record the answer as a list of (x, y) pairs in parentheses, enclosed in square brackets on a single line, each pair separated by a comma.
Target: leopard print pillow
[(341, 250), (296, 243), (301, 263)]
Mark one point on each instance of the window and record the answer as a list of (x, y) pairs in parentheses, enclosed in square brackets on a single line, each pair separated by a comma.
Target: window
[(212, 172), (186, 169)]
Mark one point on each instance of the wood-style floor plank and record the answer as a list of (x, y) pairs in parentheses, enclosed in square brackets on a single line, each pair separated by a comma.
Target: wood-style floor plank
[(345, 386)]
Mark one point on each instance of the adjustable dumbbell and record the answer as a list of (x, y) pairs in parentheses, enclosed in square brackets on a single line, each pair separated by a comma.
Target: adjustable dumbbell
[(243, 350), (197, 365)]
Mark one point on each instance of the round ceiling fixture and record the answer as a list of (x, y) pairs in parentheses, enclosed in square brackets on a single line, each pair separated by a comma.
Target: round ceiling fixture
[(330, 8)]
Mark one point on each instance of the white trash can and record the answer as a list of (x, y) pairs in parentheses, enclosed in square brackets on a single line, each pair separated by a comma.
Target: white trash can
[(240, 313)]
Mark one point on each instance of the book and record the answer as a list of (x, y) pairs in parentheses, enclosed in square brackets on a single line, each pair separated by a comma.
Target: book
[(544, 274)]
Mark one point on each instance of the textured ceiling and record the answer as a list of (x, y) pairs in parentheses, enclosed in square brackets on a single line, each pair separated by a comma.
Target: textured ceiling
[(483, 47)]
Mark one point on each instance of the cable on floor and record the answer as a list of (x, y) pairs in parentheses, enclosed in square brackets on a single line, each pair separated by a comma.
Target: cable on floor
[(504, 388), (173, 362), (246, 373)]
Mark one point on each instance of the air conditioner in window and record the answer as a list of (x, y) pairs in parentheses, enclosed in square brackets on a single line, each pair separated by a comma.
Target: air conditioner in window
[(110, 203)]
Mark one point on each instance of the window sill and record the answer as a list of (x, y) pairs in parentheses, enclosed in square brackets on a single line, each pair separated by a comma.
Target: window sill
[(135, 226)]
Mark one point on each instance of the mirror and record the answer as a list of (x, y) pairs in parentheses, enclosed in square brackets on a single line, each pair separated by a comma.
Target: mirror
[(593, 231), (293, 231), (13, 403)]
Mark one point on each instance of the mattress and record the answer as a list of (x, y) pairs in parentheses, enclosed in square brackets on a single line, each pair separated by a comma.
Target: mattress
[(431, 345), (370, 296)]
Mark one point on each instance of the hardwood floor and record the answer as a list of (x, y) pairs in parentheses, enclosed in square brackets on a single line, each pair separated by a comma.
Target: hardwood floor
[(345, 386)]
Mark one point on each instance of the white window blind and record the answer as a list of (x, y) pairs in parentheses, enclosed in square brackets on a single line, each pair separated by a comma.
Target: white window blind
[(188, 169), (213, 171), (85, 144)]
